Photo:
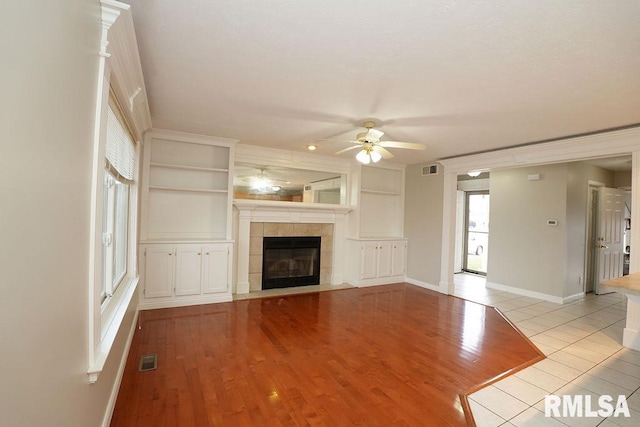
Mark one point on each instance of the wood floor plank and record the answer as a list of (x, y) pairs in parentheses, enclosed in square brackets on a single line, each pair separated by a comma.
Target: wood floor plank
[(386, 355)]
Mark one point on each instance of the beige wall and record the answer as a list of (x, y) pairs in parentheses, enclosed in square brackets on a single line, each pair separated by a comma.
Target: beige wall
[(527, 253), (524, 252), (49, 77), (423, 224)]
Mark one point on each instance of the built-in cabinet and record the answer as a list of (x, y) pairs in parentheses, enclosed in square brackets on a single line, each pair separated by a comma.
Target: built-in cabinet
[(185, 231), (375, 262), (175, 274)]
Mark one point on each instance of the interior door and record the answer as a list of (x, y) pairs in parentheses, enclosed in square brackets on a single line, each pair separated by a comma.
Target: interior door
[(609, 244)]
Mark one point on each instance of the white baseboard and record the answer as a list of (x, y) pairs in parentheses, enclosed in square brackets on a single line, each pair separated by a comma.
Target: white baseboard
[(422, 284), (572, 298), (184, 301), (123, 363), (525, 292), (376, 281)]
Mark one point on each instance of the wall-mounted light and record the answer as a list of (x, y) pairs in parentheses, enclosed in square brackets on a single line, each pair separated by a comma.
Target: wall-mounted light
[(474, 174)]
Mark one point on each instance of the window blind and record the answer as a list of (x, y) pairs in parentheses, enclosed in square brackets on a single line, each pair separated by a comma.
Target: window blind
[(120, 147)]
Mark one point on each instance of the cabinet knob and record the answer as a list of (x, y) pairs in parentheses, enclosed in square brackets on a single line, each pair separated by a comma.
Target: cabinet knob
[(207, 253), (170, 254), (199, 253)]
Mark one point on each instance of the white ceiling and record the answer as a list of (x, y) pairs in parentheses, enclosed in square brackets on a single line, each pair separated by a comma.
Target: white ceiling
[(457, 76)]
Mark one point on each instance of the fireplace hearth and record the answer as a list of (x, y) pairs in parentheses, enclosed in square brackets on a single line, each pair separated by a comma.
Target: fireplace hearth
[(290, 261)]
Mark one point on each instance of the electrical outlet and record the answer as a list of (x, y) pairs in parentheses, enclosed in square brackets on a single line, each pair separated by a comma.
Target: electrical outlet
[(579, 280)]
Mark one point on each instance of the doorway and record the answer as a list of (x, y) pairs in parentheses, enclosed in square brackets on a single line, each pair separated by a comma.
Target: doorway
[(606, 229), (476, 232)]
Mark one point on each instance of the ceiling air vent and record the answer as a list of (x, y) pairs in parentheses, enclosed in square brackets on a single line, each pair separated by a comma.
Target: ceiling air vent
[(430, 170)]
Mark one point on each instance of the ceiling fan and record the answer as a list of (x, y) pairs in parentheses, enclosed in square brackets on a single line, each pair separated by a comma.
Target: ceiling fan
[(261, 181), (372, 149)]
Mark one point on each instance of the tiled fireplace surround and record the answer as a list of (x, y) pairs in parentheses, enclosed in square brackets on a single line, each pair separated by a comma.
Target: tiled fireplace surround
[(259, 230), (256, 219)]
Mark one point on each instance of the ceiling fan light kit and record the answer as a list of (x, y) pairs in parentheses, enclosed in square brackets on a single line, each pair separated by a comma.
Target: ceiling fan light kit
[(368, 155)]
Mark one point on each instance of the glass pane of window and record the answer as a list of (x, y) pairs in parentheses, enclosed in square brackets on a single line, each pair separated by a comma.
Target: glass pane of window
[(105, 234), (121, 210), (477, 232)]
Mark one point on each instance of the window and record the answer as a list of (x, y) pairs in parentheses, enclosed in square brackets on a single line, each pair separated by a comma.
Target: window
[(118, 175), (115, 215)]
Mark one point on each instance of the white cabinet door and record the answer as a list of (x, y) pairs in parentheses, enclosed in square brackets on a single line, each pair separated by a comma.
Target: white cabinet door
[(385, 250), (189, 270), (215, 264), (399, 258), (369, 262), (158, 271)]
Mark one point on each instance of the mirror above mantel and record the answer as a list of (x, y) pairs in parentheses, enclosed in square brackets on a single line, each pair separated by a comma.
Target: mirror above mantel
[(255, 181)]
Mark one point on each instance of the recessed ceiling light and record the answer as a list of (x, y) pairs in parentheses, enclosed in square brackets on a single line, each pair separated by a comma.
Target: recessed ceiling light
[(311, 147)]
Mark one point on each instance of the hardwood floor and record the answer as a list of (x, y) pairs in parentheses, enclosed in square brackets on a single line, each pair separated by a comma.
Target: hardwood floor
[(386, 355)]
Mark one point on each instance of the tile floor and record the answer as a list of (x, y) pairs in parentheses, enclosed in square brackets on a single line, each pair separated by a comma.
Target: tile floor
[(582, 342)]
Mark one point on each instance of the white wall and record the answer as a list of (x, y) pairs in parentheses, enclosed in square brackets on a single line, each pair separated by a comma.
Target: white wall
[(423, 225), (49, 76)]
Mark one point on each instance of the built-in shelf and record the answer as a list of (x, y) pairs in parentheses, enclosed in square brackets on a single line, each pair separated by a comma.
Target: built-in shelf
[(193, 190), (187, 189), (381, 202), (193, 168), (387, 193)]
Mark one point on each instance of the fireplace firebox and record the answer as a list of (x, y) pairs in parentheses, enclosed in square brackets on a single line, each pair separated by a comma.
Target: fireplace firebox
[(290, 261)]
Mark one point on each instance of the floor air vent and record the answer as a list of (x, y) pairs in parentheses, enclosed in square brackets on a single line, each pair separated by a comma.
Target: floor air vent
[(148, 362)]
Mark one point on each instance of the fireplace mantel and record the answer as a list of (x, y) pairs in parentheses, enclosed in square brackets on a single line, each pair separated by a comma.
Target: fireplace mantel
[(288, 212), (275, 211)]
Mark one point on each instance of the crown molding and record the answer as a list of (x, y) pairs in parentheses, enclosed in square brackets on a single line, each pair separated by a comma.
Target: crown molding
[(120, 47), (605, 144)]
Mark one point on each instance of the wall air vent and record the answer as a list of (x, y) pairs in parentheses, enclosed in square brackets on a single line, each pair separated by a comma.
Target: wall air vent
[(148, 362), (430, 170), (307, 188)]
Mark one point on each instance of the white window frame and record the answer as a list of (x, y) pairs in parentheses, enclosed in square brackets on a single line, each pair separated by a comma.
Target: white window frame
[(106, 316)]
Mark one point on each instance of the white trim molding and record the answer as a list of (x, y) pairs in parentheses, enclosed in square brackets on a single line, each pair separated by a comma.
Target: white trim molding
[(421, 284), (525, 292), (119, 68), (605, 144)]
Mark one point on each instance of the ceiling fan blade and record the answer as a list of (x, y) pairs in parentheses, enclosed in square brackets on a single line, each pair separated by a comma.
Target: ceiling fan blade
[(407, 145), (340, 140), (373, 135), (347, 149), (386, 154)]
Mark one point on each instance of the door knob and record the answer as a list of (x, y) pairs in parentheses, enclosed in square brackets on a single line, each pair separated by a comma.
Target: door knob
[(601, 247)]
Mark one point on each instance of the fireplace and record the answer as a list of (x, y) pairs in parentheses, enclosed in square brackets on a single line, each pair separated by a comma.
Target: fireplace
[(290, 261)]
